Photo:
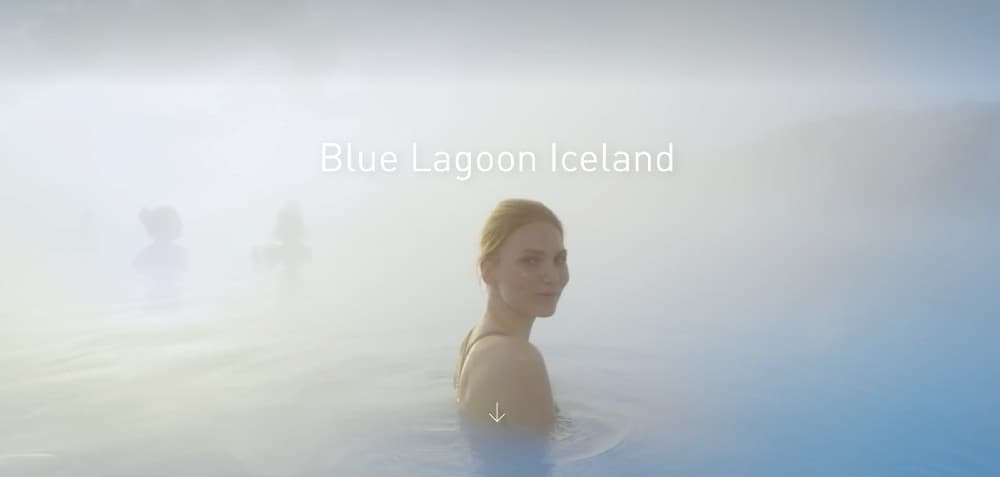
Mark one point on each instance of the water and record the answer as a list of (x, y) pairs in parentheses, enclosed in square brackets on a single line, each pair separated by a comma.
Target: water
[(884, 364)]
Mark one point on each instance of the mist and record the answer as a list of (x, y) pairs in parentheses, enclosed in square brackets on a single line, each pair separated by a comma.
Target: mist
[(831, 208)]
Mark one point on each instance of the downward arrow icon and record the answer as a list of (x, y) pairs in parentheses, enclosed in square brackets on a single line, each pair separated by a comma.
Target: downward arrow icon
[(497, 417)]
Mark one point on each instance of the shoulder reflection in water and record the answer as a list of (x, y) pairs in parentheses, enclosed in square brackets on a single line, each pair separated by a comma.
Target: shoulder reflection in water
[(498, 450), (163, 261), (287, 253)]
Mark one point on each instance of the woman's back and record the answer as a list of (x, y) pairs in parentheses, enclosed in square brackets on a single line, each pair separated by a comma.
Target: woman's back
[(504, 379)]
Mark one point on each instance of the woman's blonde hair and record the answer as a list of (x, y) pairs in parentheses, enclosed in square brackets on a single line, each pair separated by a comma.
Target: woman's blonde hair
[(508, 216)]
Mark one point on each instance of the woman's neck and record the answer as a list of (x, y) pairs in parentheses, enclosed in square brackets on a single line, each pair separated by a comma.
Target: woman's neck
[(501, 318)]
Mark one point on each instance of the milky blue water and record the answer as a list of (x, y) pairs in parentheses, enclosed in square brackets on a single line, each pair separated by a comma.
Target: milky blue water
[(874, 356)]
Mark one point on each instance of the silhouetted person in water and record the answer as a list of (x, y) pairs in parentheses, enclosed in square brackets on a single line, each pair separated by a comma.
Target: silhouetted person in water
[(288, 252), (163, 261)]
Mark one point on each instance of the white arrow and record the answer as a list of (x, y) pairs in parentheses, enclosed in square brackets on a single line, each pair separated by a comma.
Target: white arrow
[(494, 416)]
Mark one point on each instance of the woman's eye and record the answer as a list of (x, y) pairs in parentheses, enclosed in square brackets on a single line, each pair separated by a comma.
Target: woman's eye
[(531, 260)]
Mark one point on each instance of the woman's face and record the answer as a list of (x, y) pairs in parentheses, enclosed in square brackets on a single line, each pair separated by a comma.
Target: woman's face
[(530, 270)]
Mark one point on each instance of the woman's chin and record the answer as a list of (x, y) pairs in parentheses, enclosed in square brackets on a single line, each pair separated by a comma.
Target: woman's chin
[(546, 313)]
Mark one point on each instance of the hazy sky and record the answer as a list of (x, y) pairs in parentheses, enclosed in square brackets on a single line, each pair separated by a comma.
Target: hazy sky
[(951, 42)]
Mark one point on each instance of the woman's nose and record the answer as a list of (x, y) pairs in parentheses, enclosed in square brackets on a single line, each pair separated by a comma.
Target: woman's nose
[(550, 275)]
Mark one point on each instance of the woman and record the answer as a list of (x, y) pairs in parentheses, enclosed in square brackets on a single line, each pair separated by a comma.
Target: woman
[(500, 377)]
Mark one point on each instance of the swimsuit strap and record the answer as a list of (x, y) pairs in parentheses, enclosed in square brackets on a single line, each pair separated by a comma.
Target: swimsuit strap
[(467, 346), (484, 335)]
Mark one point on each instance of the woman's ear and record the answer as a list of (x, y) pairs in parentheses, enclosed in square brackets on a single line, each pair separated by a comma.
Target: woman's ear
[(486, 273)]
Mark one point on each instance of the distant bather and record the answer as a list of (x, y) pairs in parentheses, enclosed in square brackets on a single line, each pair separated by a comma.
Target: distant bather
[(288, 252), (163, 261)]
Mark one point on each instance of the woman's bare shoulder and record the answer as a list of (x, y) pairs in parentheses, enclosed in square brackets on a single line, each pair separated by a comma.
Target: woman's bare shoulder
[(510, 372), (499, 349)]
